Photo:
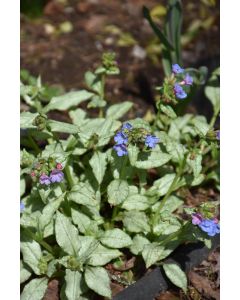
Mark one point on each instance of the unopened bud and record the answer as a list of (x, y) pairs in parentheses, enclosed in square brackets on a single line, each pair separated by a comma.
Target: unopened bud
[(59, 166)]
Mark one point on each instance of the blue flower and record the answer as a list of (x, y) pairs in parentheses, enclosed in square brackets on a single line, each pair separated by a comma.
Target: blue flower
[(218, 135), (120, 138), (188, 80), (22, 206), (44, 179), (179, 92), (127, 126), (56, 176), (211, 227), (176, 69), (120, 149), (151, 141)]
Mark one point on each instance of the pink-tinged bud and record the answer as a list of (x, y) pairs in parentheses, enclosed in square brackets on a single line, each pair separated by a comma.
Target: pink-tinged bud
[(59, 166), (215, 220), (196, 218), (33, 174)]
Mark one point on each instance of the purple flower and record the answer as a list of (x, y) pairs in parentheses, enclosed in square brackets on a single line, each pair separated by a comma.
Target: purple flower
[(188, 80), (218, 135), (127, 126), (151, 141), (210, 227), (120, 149), (196, 218), (176, 69), (44, 179), (179, 92), (120, 138), (56, 176), (22, 206)]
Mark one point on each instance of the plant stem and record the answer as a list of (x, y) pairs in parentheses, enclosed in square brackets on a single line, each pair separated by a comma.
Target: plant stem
[(69, 176), (214, 117), (40, 241), (115, 212), (100, 115), (34, 144), (123, 169), (170, 190)]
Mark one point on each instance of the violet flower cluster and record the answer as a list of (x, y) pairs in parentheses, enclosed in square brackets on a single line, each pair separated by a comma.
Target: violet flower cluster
[(187, 80), (211, 227), (56, 175), (122, 139)]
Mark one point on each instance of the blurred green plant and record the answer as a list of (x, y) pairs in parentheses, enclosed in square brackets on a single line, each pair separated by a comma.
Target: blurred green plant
[(32, 8), (170, 36)]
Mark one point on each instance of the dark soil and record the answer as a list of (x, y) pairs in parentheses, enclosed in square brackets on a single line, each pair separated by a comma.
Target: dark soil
[(63, 58)]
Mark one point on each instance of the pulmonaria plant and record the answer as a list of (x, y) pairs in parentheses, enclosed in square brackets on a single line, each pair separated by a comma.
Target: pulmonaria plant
[(47, 171), (91, 205), (128, 134), (175, 86), (211, 227)]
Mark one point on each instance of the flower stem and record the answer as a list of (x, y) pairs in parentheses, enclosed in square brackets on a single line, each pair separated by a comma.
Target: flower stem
[(170, 190), (40, 241), (214, 117)]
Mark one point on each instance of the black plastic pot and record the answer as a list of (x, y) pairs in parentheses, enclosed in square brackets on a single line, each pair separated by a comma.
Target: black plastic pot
[(154, 283)]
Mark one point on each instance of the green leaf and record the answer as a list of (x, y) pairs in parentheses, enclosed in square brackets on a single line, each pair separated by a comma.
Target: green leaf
[(176, 275), (84, 223), (57, 126), (25, 272), (96, 101), (88, 246), (166, 224), (98, 280), (170, 205), (117, 191), (78, 116), (49, 211), (73, 280), (151, 253), (136, 221), (136, 202), (157, 31), (98, 163), (102, 255), (138, 244), (195, 164), (168, 110), (153, 159), (212, 90), (116, 111), (26, 119), (66, 235), (176, 150), (133, 152), (84, 194), (161, 186), (116, 238), (173, 27), (68, 100), (201, 125), (31, 252), (35, 289), (154, 252), (93, 81), (22, 186), (103, 129)]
